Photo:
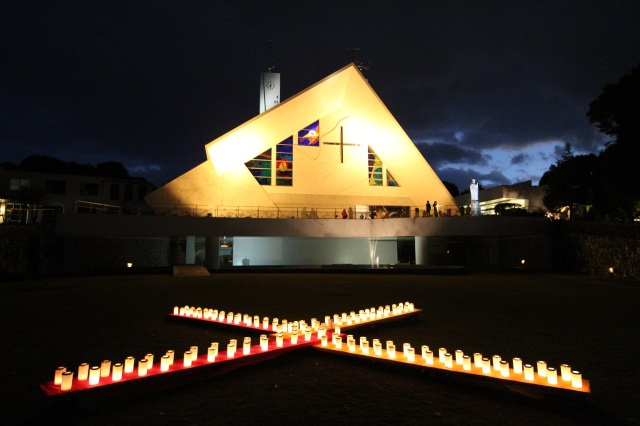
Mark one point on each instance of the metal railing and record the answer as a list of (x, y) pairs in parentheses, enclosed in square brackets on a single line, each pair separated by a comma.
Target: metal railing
[(91, 207), (299, 212)]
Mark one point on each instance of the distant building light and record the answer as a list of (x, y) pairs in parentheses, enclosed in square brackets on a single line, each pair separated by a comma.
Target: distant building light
[(129, 264)]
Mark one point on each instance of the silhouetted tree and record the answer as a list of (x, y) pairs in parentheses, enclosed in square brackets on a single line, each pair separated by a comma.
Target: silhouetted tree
[(112, 169), (451, 187), (570, 181)]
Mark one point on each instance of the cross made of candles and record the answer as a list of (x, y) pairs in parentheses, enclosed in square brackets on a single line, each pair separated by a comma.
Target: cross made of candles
[(280, 336)]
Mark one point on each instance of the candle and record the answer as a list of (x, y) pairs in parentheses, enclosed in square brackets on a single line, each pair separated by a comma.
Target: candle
[(279, 340), (459, 355), (448, 360), (424, 348), (67, 380), (214, 346), (405, 347), (576, 379), (504, 368), (57, 378), (517, 365), (307, 334), (211, 354), (294, 337), (411, 355), (194, 353), (164, 363), (171, 354), (565, 372), (231, 349), (265, 323), (186, 360), (149, 361), (542, 369), (338, 343), (116, 373), (477, 360), (128, 364), (323, 341), (264, 342), (466, 362), (246, 346), (552, 376), (256, 321), (142, 367), (364, 347), (105, 368), (94, 375), (441, 353), (176, 310), (83, 371), (486, 366), (496, 362), (429, 358), (528, 372), (377, 348)]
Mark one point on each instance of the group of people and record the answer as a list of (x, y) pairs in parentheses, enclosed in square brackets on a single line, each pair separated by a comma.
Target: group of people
[(435, 209)]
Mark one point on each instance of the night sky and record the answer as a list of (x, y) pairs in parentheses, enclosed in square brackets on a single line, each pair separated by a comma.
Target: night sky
[(490, 90)]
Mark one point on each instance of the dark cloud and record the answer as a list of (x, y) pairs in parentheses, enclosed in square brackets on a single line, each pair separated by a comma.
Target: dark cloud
[(149, 83)]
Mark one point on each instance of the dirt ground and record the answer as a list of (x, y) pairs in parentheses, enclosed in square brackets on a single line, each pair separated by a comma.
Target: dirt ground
[(589, 323)]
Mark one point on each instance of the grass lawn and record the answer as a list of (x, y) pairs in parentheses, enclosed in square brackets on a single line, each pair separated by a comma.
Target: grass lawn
[(589, 323)]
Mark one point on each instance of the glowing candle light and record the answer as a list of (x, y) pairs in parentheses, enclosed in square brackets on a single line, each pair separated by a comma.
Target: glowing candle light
[(149, 361), (388, 343), (66, 380), (128, 364), (466, 362), (565, 372), (336, 329), (164, 363), (194, 352), (552, 376), (424, 348), (338, 342), (186, 360), (294, 337), (377, 348), (459, 355), (279, 340), (214, 314), (391, 351), (83, 371), (496, 362), (504, 368), (274, 324), (231, 350), (181, 312), (176, 310), (199, 313), (528, 372), (256, 321), (307, 334), (230, 317), (448, 360), (142, 367), (351, 343), (94, 375), (221, 316), (486, 366), (57, 378), (105, 368), (116, 372), (405, 347), (429, 358), (171, 355), (237, 318), (323, 341), (411, 355), (285, 326), (477, 360), (517, 365), (542, 369), (576, 379), (441, 353), (246, 346), (265, 323), (364, 347)]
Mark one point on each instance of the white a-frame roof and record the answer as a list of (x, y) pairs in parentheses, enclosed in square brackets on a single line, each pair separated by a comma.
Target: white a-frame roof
[(333, 145)]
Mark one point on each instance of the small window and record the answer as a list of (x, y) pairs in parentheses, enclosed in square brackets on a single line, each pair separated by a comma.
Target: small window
[(56, 187), (87, 188), (260, 167), (19, 184), (284, 162)]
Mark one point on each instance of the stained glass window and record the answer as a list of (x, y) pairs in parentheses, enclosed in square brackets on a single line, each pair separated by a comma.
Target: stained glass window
[(260, 167), (378, 175), (284, 162), (310, 135)]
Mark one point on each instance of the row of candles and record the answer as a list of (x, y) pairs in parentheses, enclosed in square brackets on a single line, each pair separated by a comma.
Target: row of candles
[(93, 374), (344, 319), (488, 366)]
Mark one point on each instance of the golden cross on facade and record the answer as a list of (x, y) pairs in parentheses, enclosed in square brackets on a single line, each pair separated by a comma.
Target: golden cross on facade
[(342, 144)]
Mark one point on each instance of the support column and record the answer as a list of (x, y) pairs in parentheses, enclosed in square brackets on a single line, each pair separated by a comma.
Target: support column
[(212, 252), (422, 250), (190, 250)]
